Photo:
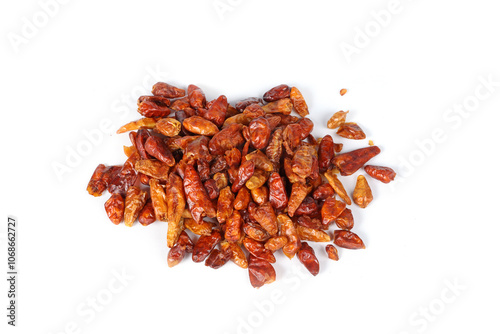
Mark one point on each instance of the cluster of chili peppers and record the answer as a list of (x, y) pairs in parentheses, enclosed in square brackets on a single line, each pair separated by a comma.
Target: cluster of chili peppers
[(248, 179)]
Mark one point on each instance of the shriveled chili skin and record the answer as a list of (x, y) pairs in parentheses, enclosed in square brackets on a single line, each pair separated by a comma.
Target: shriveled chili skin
[(157, 148), (134, 202), (332, 252), (277, 192), (176, 254), (245, 171), (200, 126), (204, 245), (169, 127), (153, 168), (274, 150), (234, 224), (303, 160), (158, 199), (351, 131), (308, 258), (276, 93), (226, 139), (196, 97), (197, 198), (216, 113), (115, 207), (101, 178), (233, 157), (260, 132), (212, 189), (255, 231), (337, 119), (287, 228), (260, 271), (153, 106), (326, 152), (275, 243), (331, 210), (347, 239), (146, 123), (362, 194), (242, 199), (309, 222), (254, 111), (166, 90), (324, 191), (307, 207), (299, 192), (218, 258), (266, 217), (282, 106), (199, 228), (147, 214), (258, 250), (237, 254), (310, 234), (346, 220), (383, 174), (176, 202), (298, 101), (337, 186), (260, 159)]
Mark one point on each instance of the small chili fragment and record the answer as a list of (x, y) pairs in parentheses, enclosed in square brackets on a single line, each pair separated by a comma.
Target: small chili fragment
[(198, 228), (351, 131), (346, 220), (310, 234), (298, 102), (276, 93), (134, 202), (143, 123), (308, 258), (237, 254), (147, 214), (347, 239), (337, 119), (337, 186), (332, 252), (204, 245), (260, 271), (362, 194), (166, 90), (115, 207), (218, 258), (383, 174)]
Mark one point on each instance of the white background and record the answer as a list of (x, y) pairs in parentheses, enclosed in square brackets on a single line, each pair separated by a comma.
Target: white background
[(437, 227)]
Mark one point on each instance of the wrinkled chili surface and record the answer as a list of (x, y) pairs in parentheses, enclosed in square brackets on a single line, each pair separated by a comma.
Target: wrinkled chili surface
[(239, 182)]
